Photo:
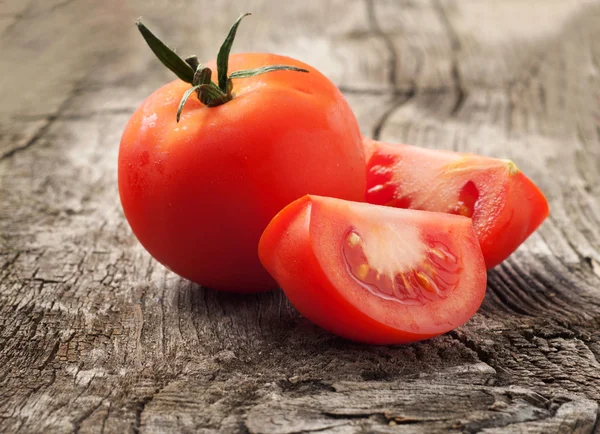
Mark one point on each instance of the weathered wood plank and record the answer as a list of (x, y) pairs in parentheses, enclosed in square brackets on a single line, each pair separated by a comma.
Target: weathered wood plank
[(95, 336)]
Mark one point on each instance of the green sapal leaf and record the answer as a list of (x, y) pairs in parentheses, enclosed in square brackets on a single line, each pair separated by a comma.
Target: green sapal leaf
[(223, 56), (167, 56)]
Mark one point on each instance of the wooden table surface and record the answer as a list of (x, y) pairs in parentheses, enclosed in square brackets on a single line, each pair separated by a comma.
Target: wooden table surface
[(95, 336)]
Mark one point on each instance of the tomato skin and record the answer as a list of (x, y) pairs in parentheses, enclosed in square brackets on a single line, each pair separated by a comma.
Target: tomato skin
[(295, 251), (198, 193), (508, 209), (524, 210)]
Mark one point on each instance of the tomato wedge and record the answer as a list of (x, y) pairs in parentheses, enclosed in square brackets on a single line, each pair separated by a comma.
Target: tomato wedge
[(375, 274), (505, 205)]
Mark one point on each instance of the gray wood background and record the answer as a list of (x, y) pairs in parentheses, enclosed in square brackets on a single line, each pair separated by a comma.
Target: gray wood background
[(95, 336)]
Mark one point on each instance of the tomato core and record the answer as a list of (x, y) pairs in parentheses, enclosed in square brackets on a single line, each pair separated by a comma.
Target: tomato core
[(399, 272)]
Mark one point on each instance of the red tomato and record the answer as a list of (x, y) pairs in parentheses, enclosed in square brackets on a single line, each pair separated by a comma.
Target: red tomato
[(199, 193), (506, 207), (375, 274)]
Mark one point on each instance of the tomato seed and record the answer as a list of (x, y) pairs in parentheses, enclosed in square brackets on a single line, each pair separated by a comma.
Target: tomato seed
[(353, 238)]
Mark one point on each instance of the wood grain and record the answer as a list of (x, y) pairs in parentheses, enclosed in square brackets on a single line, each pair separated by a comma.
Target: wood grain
[(95, 336)]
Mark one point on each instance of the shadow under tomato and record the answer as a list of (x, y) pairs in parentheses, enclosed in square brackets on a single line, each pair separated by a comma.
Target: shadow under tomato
[(264, 332)]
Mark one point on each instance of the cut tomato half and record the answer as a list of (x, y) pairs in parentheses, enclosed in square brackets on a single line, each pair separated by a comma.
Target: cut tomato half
[(375, 274), (505, 205)]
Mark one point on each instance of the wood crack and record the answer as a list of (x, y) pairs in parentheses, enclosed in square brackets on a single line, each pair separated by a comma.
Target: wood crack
[(77, 422), (138, 413), (504, 422), (51, 356), (83, 115), (482, 355), (59, 5), (399, 97), (456, 47), (32, 141), (105, 418), (398, 102), (41, 132), (389, 44), (596, 428), (141, 407), (10, 263)]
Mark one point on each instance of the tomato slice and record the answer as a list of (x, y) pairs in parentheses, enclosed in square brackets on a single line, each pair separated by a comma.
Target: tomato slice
[(375, 274), (505, 205)]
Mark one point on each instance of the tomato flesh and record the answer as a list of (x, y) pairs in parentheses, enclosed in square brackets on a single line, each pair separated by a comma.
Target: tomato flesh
[(505, 205), (375, 274)]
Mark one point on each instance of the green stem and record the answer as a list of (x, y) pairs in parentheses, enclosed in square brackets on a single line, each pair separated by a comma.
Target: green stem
[(190, 70), (184, 99), (166, 55), (192, 61), (245, 73), (223, 56)]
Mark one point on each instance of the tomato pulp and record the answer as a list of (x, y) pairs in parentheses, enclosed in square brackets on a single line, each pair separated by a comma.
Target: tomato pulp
[(199, 193), (375, 274), (505, 205)]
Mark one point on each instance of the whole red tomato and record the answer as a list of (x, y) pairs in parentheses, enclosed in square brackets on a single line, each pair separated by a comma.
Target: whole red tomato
[(199, 192)]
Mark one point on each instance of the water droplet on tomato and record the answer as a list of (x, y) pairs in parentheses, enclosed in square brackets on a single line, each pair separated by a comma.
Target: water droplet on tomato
[(144, 158)]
